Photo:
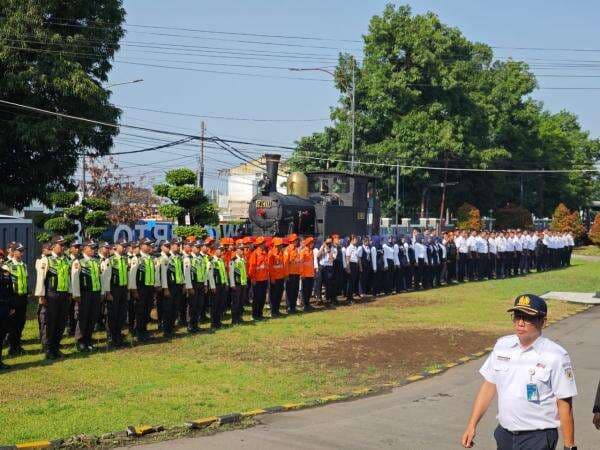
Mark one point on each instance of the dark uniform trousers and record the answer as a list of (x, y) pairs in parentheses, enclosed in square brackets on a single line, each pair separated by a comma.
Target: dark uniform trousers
[(354, 281), (338, 276), (143, 305), (327, 277), (170, 307), (53, 319), (259, 291), (463, 265), (195, 305), (131, 314), (182, 308), (275, 295), (115, 313), (88, 311), (160, 296), (518, 265), (307, 287), (482, 266), (217, 305), (17, 322), (390, 276), (4, 324), (72, 318), (292, 285), (531, 440), (451, 269), (420, 275), (472, 266), (318, 283), (237, 304)]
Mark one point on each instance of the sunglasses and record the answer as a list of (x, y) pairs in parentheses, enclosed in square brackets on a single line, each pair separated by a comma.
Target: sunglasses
[(525, 318)]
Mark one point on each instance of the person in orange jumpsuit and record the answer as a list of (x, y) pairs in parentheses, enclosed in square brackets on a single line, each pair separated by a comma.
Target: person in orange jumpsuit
[(307, 271), (276, 276), (293, 265), (248, 242), (258, 271)]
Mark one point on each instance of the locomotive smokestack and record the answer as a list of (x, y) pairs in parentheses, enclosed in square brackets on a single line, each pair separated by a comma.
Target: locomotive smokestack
[(272, 161)]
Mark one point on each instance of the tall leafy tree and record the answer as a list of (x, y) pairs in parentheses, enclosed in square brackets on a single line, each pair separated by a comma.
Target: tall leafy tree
[(427, 96), (54, 55)]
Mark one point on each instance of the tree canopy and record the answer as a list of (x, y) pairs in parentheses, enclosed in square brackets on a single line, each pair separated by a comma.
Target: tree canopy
[(54, 55), (427, 96)]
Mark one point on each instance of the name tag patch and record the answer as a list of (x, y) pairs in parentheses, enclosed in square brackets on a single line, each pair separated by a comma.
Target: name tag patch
[(503, 358)]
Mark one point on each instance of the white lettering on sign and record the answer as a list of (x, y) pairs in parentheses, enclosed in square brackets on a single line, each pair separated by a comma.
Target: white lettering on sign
[(162, 231)]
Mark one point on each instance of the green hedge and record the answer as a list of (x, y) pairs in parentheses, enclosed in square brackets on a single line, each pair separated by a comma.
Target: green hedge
[(180, 177)]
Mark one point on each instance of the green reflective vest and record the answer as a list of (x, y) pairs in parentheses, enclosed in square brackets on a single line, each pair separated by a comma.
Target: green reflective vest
[(59, 274), (175, 269), (149, 270), (219, 267), (120, 267), (19, 276), (239, 266), (199, 264), (90, 274)]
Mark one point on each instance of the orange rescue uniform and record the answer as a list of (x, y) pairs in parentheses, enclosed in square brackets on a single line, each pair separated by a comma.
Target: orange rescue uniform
[(308, 263), (292, 261), (258, 265), (276, 266)]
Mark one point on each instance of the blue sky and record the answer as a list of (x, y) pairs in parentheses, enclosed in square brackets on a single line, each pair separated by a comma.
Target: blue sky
[(301, 104)]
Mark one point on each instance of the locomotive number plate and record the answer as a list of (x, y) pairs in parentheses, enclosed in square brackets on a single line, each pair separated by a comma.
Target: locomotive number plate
[(263, 203), (360, 215)]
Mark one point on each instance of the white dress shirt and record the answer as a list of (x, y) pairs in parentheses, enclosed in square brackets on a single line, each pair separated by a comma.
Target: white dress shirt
[(511, 368)]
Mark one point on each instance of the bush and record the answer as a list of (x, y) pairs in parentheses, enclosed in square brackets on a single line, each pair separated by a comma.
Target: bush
[(75, 212), (64, 199), (96, 218), (565, 221), (95, 232), (96, 203), (469, 217), (190, 230), (162, 190), (594, 233), (43, 236), (60, 225), (206, 214), (171, 211), (185, 195), (180, 177), (512, 216), (40, 218)]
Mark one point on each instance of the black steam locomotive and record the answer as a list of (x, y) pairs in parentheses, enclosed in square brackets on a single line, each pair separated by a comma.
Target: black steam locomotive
[(318, 204)]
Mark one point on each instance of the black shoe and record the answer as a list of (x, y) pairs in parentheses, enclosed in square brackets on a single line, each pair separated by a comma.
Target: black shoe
[(82, 348), (193, 330), (91, 348), (50, 356), (308, 308), (16, 351), (3, 366), (59, 354)]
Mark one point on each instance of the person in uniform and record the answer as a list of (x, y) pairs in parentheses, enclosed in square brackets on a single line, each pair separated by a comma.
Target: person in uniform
[(258, 269), (238, 281), (53, 290), (533, 378), (353, 266), (326, 256), (293, 267), (276, 276), (367, 267), (191, 299), (339, 272), (463, 255), (422, 263), (87, 295), (390, 266), (307, 271), (7, 307), (133, 253), (18, 270), (74, 254), (39, 262), (473, 261), (172, 284), (219, 287), (143, 281), (115, 286)]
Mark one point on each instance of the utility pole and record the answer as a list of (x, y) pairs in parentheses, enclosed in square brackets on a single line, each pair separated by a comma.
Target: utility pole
[(83, 183), (397, 190), (442, 204), (353, 101), (200, 178)]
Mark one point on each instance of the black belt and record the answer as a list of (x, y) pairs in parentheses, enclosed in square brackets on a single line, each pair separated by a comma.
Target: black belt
[(522, 432)]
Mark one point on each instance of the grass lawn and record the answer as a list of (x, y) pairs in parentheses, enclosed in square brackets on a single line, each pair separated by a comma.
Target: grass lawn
[(588, 250), (252, 366)]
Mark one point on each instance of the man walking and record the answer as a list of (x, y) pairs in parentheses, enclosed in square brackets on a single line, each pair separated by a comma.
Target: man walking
[(534, 380)]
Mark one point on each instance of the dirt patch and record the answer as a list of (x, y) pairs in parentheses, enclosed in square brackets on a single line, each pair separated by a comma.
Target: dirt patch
[(386, 357)]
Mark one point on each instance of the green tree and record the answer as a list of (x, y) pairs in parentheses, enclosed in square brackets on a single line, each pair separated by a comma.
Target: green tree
[(186, 200), (512, 216), (426, 96), (42, 64)]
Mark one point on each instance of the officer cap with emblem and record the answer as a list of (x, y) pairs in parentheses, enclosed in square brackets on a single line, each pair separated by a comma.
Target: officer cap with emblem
[(16, 246), (175, 241), (58, 240), (123, 242), (531, 305), (75, 244), (146, 241), (106, 245), (91, 243)]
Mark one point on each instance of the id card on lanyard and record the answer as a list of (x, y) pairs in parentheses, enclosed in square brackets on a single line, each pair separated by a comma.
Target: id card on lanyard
[(533, 395)]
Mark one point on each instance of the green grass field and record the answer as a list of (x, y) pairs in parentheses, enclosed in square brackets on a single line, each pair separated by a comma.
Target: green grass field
[(588, 250), (242, 368)]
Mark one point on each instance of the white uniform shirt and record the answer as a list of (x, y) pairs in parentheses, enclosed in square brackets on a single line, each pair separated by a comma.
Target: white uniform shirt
[(461, 244), (493, 246), (510, 245), (388, 251), (501, 244), (518, 243), (420, 252), (472, 243), (481, 245), (328, 256), (352, 253), (570, 241), (511, 368)]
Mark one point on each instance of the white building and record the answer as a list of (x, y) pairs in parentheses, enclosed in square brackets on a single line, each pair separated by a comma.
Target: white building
[(242, 185)]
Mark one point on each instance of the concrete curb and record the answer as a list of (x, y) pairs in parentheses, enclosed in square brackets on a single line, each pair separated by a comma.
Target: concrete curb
[(215, 422)]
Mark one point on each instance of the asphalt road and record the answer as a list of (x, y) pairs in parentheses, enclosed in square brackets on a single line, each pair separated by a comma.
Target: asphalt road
[(429, 414)]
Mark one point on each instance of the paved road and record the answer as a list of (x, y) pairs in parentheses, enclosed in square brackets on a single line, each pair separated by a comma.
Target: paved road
[(429, 414)]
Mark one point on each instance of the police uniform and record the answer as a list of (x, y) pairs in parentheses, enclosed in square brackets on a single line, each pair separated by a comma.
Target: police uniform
[(143, 280), (54, 289), (219, 286), (18, 271), (238, 281), (172, 284), (87, 293), (528, 383), (7, 306), (115, 286)]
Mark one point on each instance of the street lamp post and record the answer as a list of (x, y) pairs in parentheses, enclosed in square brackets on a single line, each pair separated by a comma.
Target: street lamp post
[(352, 93)]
